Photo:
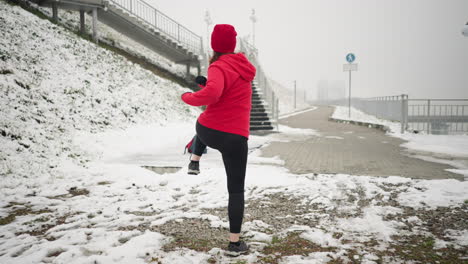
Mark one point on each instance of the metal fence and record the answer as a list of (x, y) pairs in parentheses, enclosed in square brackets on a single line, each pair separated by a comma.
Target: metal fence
[(438, 116), (271, 100), (433, 116), (162, 23)]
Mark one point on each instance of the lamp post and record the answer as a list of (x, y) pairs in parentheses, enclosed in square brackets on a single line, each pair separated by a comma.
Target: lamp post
[(208, 22), (253, 18)]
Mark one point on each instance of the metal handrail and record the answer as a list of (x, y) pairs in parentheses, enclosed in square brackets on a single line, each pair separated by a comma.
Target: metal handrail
[(162, 23), (436, 116), (261, 78), (440, 116), (463, 100)]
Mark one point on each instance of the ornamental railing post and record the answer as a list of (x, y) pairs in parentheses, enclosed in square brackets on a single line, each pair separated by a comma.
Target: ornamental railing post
[(155, 18), (272, 104), (402, 118), (178, 32), (277, 114), (428, 116)]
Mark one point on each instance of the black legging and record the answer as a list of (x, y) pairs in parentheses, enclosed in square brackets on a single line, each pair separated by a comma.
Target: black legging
[(234, 150)]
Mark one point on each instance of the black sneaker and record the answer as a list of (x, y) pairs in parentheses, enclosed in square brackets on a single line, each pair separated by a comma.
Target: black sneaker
[(194, 168), (234, 250)]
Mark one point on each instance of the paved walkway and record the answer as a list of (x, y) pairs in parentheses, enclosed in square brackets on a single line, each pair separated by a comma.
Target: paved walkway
[(349, 149)]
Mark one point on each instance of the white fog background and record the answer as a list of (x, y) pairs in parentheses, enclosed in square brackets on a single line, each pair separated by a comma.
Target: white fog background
[(402, 46)]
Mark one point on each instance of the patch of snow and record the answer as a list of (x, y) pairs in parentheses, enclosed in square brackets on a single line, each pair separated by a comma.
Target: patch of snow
[(453, 145), (341, 112), (321, 238), (459, 237), (371, 222), (312, 108), (433, 193), (313, 258), (297, 131), (259, 236), (334, 137)]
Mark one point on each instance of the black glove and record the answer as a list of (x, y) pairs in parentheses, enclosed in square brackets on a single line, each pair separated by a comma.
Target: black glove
[(201, 80)]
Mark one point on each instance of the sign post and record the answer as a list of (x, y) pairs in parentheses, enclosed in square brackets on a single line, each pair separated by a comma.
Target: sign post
[(349, 68)]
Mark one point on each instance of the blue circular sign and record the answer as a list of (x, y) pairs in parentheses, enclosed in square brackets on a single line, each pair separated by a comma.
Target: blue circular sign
[(350, 57)]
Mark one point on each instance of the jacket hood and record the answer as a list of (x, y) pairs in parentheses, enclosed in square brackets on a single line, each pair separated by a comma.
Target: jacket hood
[(240, 64)]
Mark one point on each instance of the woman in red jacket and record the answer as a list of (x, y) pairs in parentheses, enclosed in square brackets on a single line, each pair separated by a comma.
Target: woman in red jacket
[(225, 124)]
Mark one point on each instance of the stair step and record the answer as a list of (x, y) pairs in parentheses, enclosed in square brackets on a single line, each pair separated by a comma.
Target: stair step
[(256, 128), (264, 114), (258, 106), (260, 123), (259, 113), (259, 118), (258, 110)]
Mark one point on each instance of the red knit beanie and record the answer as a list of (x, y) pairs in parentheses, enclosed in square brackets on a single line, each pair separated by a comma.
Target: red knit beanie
[(223, 38)]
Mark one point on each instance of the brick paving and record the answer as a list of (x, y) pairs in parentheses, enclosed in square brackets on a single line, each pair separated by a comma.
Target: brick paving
[(350, 149)]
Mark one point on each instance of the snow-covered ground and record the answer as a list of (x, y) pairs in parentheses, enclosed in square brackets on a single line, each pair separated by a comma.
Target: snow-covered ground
[(78, 126), (115, 211)]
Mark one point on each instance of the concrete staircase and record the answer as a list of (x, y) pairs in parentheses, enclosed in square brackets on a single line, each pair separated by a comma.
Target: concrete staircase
[(260, 115), (153, 29), (141, 22)]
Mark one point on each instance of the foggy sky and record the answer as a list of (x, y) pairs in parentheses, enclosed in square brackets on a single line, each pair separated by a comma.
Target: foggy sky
[(413, 47)]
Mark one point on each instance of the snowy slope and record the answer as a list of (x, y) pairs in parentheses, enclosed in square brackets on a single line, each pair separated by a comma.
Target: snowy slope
[(105, 33), (54, 84)]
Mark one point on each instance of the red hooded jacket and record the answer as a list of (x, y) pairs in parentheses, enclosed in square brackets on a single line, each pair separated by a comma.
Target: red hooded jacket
[(227, 95)]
